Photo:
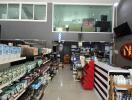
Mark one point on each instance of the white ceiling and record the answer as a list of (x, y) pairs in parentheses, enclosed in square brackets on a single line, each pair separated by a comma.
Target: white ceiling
[(66, 1)]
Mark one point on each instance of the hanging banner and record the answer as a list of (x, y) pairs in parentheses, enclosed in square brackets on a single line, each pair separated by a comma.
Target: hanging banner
[(126, 50)]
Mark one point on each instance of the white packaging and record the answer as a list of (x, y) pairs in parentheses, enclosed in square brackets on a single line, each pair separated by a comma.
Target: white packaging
[(14, 52), (1, 52), (7, 53), (11, 53), (18, 52), (4, 53)]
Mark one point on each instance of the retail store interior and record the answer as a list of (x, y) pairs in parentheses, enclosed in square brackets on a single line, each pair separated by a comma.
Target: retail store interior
[(65, 50)]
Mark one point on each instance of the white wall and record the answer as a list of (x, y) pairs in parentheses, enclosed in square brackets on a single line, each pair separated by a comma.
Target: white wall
[(67, 1)]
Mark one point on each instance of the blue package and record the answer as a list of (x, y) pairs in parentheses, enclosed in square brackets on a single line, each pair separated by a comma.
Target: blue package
[(36, 84)]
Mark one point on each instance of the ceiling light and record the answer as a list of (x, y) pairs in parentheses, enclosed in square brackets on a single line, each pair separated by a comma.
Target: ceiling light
[(116, 4)]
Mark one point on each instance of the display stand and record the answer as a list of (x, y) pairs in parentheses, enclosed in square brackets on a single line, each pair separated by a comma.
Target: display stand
[(114, 86), (102, 79)]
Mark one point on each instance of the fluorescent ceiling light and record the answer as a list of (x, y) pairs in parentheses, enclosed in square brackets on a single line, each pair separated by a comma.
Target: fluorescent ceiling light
[(116, 4)]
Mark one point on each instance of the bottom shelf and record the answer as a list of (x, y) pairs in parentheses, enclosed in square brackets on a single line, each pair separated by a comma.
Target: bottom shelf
[(33, 94), (16, 96)]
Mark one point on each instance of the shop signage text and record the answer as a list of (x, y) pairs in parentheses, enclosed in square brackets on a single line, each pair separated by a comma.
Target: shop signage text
[(126, 50)]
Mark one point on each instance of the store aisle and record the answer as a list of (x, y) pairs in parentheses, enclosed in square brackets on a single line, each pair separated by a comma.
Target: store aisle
[(63, 87)]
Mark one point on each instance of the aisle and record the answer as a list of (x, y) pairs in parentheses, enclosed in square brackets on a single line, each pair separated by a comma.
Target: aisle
[(63, 87)]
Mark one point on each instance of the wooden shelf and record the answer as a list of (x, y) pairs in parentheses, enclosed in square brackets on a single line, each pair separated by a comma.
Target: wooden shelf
[(123, 86), (18, 95), (46, 61), (12, 60)]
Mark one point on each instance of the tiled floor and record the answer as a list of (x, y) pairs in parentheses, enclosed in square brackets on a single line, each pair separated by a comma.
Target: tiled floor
[(63, 87)]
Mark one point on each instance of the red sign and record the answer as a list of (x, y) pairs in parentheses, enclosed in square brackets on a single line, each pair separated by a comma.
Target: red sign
[(126, 50)]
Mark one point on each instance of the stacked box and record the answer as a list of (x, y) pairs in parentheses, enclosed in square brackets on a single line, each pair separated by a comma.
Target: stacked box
[(29, 51)]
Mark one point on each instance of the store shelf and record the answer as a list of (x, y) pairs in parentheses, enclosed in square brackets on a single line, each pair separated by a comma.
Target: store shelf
[(18, 95), (12, 60), (40, 95), (46, 61), (46, 70), (114, 87), (46, 53), (123, 86), (6, 84)]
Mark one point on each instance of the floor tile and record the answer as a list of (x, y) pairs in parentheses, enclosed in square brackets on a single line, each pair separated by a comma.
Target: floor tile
[(63, 87)]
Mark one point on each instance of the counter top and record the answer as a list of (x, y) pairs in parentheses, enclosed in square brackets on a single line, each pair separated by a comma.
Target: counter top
[(110, 68)]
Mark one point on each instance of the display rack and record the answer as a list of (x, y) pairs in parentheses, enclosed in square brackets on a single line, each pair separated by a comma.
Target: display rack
[(9, 61), (102, 79), (114, 86), (18, 95), (24, 90), (8, 83)]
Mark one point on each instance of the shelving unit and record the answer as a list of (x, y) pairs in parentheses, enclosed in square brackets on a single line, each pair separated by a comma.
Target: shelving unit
[(12, 60), (23, 72), (102, 79), (16, 96), (8, 83), (114, 86)]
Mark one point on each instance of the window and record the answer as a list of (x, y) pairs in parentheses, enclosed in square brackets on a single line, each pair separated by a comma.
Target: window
[(39, 12), (27, 11), (13, 11), (3, 11), (83, 18)]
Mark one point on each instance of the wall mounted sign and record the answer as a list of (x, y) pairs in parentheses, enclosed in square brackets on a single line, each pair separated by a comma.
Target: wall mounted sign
[(126, 50)]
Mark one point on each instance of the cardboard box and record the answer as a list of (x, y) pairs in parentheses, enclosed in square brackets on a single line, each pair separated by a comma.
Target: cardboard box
[(29, 51)]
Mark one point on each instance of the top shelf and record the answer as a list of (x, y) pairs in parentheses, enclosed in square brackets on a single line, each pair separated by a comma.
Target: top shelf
[(12, 60)]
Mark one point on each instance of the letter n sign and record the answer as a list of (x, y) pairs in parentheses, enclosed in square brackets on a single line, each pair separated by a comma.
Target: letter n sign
[(126, 50)]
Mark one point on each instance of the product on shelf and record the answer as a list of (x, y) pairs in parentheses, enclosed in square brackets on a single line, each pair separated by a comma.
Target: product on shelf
[(11, 74), (15, 80), (46, 51), (39, 62), (12, 91), (122, 80), (121, 87), (9, 52), (16, 72), (29, 51), (30, 65)]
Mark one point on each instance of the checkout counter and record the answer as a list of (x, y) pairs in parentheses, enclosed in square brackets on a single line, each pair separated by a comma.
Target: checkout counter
[(102, 75)]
